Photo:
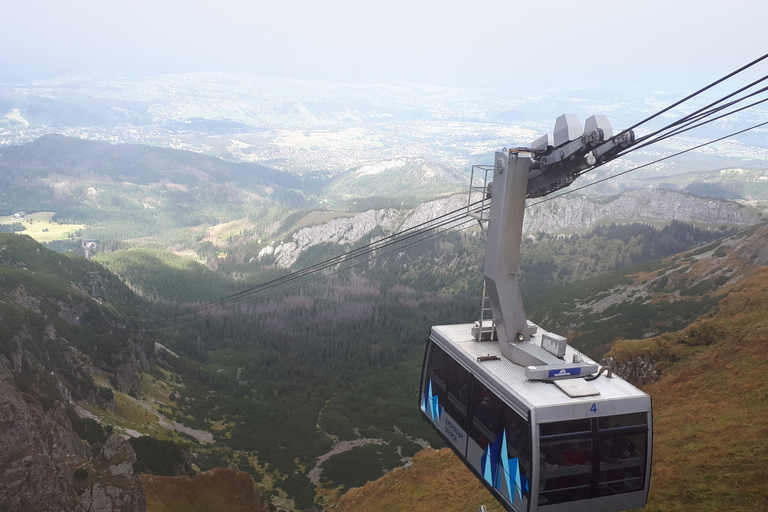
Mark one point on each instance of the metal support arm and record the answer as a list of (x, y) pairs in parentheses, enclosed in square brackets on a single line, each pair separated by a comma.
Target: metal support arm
[(502, 260)]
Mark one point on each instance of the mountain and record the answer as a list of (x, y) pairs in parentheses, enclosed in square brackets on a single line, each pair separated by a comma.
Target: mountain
[(126, 191), (82, 397), (59, 352), (652, 298), (566, 214)]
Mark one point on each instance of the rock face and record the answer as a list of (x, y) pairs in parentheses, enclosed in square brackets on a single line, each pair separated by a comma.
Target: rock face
[(637, 206), (46, 463), (40, 453), (341, 231), (35, 449), (110, 485), (640, 371), (557, 215)]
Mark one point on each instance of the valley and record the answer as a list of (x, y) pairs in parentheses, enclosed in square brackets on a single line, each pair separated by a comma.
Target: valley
[(242, 385), (157, 319)]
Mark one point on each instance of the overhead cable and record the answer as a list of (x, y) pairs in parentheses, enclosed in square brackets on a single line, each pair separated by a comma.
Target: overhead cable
[(703, 89)]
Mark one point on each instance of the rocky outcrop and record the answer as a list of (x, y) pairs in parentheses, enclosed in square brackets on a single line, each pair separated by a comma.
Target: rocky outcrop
[(640, 370), (109, 484), (44, 465), (550, 216), (53, 454), (341, 231), (655, 205), (36, 451)]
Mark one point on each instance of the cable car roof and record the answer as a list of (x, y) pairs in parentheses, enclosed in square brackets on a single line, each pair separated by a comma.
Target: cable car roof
[(508, 379)]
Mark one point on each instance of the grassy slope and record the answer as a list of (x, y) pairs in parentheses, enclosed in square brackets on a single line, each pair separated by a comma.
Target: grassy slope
[(652, 298), (42, 228), (711, 446), (158, 275), (437, 480), (218, 490)]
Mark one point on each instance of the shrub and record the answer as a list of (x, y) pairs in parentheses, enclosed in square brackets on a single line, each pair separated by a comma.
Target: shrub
[(87, 429), (106, 393), (153, 455)]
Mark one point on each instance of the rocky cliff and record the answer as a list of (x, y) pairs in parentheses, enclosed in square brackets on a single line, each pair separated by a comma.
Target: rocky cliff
[(45, 465), (53, 340), (549, 216), (568, 213)]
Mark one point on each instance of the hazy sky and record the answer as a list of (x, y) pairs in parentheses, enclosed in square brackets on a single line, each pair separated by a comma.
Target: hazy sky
[(444, 42)]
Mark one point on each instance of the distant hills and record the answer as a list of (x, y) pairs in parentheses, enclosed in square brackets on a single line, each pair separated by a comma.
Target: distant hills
[(129, 191), (321, 127)]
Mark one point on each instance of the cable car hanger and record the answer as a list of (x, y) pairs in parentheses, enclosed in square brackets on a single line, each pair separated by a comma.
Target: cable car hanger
[(555, 161)]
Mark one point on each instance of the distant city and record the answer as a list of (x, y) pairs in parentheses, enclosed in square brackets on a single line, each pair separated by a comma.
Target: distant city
[(323, 127)]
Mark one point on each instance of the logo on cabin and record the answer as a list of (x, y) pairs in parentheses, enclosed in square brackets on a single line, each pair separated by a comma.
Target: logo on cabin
[(563, 372), (501, 471), (430, 405)]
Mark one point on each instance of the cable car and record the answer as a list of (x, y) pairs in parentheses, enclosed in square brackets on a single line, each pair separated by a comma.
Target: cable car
[(538, 422), (534, 445)]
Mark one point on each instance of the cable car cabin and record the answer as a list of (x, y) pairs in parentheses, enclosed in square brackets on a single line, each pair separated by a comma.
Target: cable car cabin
[(532, 444)]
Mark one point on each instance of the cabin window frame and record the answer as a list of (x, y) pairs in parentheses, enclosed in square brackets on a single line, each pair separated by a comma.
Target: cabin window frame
[(586, 463)]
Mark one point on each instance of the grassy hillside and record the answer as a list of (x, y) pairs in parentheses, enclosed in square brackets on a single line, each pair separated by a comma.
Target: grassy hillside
[(711, 405), (130, 191), (393, 183), (651, 298), (437, 480), (159, 275), (218, 490)]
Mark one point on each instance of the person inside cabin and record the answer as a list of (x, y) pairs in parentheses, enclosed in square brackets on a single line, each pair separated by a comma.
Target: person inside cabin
[(486, 415), (485, 411), (575, 454), (613, 451)]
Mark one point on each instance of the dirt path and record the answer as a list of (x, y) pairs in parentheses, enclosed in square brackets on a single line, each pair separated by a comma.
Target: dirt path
[(200, 435)]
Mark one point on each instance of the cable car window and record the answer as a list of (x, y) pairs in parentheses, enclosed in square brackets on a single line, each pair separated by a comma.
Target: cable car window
[(564, 427), (623, 448), (503, 437), (487, 417), (601, 457), (451, 384), (622, 420)]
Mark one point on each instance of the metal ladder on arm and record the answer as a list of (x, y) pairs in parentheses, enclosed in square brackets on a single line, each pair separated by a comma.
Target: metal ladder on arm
[(485, 328)]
